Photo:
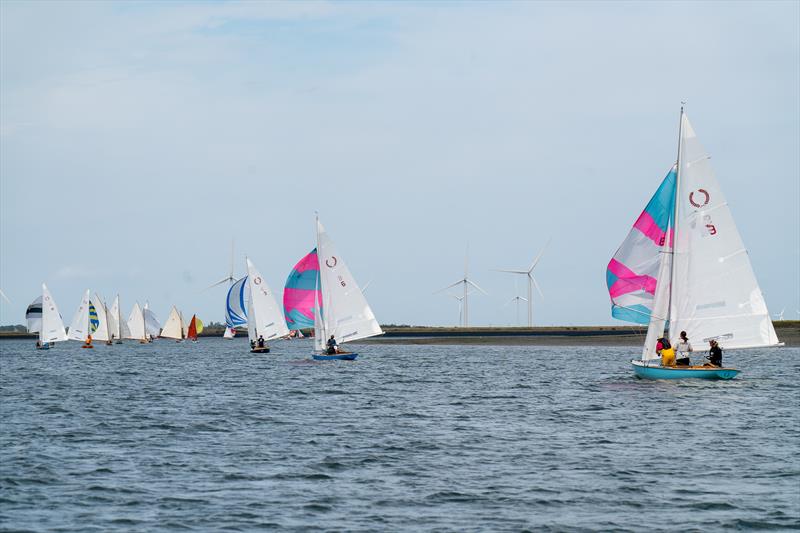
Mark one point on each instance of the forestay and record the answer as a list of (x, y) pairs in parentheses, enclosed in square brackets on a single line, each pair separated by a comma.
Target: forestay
[(345, 312)]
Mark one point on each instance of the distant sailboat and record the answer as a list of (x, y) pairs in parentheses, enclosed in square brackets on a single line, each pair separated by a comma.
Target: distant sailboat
[(264, 316), (101, 332), (117, 326), (235, 308), (173, 327), (195, 328), (683, 267), (136, 329), (49, 324), (151, 325), (343, 311), (84, 322)]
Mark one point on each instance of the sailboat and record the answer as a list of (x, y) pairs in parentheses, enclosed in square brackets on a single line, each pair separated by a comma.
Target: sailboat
[(117, 328), (342, 311), (84, 322), (151, 325), (683, 267), (195, 328), (235, 307), (48, 323), (173, 327), (101, 332), (264, 316), (136, 329)]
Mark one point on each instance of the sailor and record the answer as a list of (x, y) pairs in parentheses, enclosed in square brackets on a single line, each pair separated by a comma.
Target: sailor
[(683, 347), (88, 342), (260, 341), (332, 346), (714, 354), (667, 352)]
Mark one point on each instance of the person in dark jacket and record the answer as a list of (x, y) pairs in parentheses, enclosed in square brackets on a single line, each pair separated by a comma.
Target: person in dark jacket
[(714, 354), (332, 346)]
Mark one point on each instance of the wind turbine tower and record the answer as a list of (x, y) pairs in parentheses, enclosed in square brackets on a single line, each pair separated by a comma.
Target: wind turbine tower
[(229, 279), (531, 281), (465, 282)]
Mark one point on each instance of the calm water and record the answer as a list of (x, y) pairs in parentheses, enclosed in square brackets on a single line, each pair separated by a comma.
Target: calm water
[(205, 437)]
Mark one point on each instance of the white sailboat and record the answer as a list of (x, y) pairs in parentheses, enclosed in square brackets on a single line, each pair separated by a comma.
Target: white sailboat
[(684, 267), (46, 320), (102, 332), (117, 326), (136, 329), (83, 326), (343, 312), (151, 324), (174, 326), (265, 320)]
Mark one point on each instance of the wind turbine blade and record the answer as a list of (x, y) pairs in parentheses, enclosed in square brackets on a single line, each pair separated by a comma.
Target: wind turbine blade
[(4, 296), (459, 282), (364, 288), (536, 261), (220, 282), (510, 271), (474, 285), (537, 287)]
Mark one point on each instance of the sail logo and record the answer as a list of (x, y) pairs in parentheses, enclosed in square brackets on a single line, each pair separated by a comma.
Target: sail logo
[(257, 280), (328, 262), (706, 198)]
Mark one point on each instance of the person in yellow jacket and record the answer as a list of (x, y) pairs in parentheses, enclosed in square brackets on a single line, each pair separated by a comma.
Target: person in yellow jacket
[(666, 351)]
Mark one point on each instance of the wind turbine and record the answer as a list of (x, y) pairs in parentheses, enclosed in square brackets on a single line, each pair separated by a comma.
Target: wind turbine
[(517, 299), (4, 296), (531, 281), (229, 279), (460, 306), (779, 316), (465, 282)]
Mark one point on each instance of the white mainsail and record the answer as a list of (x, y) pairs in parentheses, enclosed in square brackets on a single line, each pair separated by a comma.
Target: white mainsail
[(715, 294), (52, 329), (173, 327), (184, 326), (264, 315), (345, 312), (112, 314), (151, 325), (102, 332), (136, 324), (79, 327)]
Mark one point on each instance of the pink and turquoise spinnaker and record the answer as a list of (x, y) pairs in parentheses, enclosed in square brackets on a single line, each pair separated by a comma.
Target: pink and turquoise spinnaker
[(633, 271), (298, 294)]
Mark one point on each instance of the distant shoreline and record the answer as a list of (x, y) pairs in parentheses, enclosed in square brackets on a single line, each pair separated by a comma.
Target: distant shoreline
[(788, 332)]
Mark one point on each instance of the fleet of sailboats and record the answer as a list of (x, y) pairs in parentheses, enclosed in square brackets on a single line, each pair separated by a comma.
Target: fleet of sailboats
[(682, 268)]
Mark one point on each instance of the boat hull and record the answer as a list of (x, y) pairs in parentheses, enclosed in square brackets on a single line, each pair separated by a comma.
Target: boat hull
[(695, 372), (260, 350), (335, 357)]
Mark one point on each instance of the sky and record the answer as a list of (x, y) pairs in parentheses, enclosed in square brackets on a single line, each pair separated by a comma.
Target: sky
[(138, 139)]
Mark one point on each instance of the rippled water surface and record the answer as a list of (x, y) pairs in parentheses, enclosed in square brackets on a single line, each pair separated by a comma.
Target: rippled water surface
[(455, 438)]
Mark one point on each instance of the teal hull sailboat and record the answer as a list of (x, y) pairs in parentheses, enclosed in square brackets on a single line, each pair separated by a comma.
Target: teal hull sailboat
[(343, 313), (683, 268)]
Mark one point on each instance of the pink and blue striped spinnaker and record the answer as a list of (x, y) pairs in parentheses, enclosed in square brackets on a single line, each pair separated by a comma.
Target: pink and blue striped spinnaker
[(298, 294), (632, 272)]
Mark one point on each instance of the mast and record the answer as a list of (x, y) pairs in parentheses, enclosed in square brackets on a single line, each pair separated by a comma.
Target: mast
[(318, 290), (675, 222)]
